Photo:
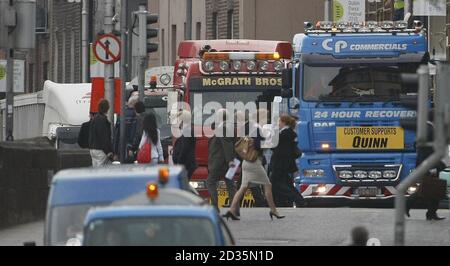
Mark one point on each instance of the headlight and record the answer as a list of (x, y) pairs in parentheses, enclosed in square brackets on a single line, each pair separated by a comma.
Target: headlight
[(314, 173), (237, 65), (345, 174), (389, 174), (198, 184), (251, 65), (412, 190), (264, 65), (224, 66), (375, 174), (278, 65), (360, 174), (209, 66)]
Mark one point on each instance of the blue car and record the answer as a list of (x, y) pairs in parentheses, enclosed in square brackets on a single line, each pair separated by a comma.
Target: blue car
[(168, 217), (74, 192)]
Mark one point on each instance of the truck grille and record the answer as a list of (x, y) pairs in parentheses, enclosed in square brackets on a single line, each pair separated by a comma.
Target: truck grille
[(367, 172)]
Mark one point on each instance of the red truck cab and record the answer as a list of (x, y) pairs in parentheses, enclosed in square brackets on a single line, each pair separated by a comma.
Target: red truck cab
[(228, 71)]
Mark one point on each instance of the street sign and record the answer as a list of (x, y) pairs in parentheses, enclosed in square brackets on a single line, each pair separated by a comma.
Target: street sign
[(349, 10), (19, 76), (430, 8), (107, 49)]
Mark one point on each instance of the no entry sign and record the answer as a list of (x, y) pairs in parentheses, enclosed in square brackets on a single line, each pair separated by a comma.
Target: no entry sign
[(107, 49)]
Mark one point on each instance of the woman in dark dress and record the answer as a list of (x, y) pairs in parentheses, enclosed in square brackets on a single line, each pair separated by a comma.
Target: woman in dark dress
[(283, 165)]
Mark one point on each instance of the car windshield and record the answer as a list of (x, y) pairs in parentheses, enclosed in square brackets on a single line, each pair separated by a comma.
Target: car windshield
[(67, 224), (360, 83), (151, 231)]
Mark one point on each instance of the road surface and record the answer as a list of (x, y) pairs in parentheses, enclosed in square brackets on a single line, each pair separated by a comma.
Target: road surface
[(305, 227)]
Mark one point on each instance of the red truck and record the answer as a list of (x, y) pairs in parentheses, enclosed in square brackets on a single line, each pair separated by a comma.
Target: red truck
[(227, 71)]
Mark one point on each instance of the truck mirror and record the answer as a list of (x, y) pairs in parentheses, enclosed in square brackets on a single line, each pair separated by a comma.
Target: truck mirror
[(172, 106), (286, 77)]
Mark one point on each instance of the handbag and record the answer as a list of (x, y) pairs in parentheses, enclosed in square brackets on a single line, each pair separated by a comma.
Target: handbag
[(145, 153), (433, 188), (244, 147)]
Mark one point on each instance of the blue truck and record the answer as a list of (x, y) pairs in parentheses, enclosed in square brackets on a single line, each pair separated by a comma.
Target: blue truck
[(346, 80)]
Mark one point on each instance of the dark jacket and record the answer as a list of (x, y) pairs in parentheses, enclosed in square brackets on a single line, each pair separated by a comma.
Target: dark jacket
[(139, 131), (83, 136), (220, 153), (100, 134), (283, 156), (184, 153), (130, 129)]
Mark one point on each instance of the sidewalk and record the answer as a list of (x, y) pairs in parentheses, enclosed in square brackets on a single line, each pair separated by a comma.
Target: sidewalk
[(15, 236)]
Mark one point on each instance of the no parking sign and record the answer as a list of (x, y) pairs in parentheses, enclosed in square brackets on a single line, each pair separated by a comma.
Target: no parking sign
[(107, 49)]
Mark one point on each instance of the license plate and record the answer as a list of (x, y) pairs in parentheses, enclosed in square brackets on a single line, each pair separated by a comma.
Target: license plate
[(366, 191), (370, 138), (224, 200)]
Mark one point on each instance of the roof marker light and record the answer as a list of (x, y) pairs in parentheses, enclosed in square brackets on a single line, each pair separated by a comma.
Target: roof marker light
[(163, 175), (152, 191)]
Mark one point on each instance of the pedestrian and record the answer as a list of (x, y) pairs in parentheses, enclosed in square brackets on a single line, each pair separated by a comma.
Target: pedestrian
[(399, 10), (283, 165), (83, 136), (100, 144), (132, 149), (151, 136), (360, 236), (254, 172), (220, 158), (130, 119), (242, 126), (430, 182), (184, 147)]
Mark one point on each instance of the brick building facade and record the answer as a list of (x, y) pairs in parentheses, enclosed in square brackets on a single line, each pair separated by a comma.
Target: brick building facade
[(222, 19)]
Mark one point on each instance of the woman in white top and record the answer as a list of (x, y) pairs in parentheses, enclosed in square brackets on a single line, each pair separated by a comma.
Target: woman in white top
[(151, 133)]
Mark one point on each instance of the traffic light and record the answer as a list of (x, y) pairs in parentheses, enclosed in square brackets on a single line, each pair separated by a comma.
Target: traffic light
[(147, 32)]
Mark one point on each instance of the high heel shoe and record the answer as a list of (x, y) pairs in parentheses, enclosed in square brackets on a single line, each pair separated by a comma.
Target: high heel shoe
[(434, 217), (229, 215), (276, 215)]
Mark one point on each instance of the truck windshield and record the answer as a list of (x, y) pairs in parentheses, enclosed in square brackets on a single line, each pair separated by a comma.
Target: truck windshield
[(223, 98), (151, 231), (161, 119), (351, 83)]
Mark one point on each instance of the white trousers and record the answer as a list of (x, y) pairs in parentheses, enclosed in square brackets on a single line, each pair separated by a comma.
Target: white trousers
[(99, 158)]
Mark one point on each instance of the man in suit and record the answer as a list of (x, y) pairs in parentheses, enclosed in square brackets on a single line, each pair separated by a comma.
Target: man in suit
[(220, 158)]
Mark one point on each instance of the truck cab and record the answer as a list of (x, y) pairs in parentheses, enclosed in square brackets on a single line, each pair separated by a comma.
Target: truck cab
[(346, 78), (225, 71), (73, 192)]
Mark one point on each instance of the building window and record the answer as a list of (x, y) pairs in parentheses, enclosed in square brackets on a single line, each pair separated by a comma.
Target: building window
[(63, 53), (215, 26), (72, 57), (45, 71), (163, 47), (174, 44), (230, 23), (30, 78), (198, 31), (42, 16)]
